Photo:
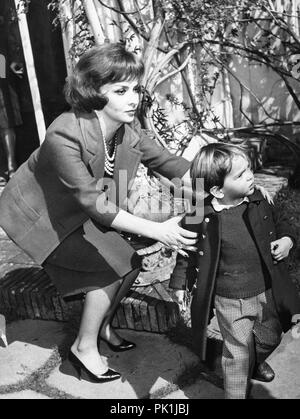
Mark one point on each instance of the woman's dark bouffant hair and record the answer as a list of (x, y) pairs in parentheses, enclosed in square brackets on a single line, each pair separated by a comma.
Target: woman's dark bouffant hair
[(107, 63)]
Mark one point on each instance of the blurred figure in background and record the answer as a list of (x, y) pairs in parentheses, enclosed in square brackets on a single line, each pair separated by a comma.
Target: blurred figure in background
[(11, 68)]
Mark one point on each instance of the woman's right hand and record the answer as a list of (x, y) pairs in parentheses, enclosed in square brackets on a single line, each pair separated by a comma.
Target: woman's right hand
[(171, 234)]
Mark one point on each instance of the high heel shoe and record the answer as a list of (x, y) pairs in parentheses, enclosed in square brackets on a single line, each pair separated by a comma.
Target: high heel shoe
[(85, 374), (125, 345)]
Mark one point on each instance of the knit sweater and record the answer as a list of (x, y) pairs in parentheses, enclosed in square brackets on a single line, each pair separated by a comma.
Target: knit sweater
[(240, 271)]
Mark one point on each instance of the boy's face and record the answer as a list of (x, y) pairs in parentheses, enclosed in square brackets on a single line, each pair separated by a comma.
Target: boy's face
[(240, 180)]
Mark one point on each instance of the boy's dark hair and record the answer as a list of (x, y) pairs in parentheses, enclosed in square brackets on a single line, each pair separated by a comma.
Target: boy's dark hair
[(213, 163), (107, 63)]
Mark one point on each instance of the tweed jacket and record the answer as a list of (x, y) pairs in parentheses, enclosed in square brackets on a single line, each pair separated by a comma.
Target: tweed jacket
[(60, 186), (198, 272)]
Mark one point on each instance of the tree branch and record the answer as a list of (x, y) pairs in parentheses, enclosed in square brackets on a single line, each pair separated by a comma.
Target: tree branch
[(243, 85), (187, 84), (261, 130), (173, 73), (291, 91), (122, 10)]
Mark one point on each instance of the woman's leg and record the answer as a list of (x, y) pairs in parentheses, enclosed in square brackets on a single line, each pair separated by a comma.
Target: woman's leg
[(107, 332), (9, 142), (96, 305)]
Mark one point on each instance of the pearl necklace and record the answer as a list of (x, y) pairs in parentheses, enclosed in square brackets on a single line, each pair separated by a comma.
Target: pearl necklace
[(109, 161)]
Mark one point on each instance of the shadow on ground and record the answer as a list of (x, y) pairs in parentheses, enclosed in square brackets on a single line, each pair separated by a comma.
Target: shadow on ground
[(210, 370)]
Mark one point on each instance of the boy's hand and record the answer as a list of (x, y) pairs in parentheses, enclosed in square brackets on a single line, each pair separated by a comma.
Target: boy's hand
[(265, 193), (280, 248), (180, 296)]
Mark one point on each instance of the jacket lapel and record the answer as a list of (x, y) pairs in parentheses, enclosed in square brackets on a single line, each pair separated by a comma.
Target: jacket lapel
[(91, 131), (93, 143), (127, 157)]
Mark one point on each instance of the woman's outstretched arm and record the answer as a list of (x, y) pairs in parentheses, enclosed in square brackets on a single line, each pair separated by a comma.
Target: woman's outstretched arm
[(168, 232)]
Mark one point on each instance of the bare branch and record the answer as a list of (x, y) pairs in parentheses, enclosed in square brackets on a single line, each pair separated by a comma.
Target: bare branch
[(255, 54), (241, 103), (291, 91), (162, 64), (173, 73), (126, 15), (122, 10), (241, 84), (261, 130), (151, 50), (141, 17), (187, 84)]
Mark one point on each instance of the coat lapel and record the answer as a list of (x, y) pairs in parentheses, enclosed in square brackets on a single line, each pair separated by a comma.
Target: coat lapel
[(254, 219), (260, 234)]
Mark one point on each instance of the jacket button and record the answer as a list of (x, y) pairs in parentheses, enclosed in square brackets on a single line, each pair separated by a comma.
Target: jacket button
[(203, 236), (207, 220), (201, 253), (265, 217)]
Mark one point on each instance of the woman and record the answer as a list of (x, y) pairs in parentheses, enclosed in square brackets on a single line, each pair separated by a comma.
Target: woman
[(66, 206)]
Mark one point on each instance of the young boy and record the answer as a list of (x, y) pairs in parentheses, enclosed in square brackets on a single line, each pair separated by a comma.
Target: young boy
[(239, 268)]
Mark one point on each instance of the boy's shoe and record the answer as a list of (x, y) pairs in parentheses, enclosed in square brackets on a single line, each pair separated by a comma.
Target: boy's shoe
[(263, 372)]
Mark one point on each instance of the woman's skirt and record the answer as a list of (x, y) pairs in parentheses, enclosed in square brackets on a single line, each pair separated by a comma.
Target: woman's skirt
[(76, 266)]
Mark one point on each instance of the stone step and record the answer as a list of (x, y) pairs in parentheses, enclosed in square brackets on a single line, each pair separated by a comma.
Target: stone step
[(28, 293)]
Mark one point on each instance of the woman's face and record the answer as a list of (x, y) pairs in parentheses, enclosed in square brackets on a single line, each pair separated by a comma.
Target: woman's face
[(123, 99)]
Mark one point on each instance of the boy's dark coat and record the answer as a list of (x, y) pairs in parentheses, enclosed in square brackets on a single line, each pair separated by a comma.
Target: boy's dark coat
[(199, 270)]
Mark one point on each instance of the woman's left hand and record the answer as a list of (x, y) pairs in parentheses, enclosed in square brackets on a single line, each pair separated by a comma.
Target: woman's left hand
[(265, 194)]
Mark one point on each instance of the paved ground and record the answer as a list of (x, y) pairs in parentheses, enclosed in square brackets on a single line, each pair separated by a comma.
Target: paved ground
[(159, 368), (155, 369), (30, 368)]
